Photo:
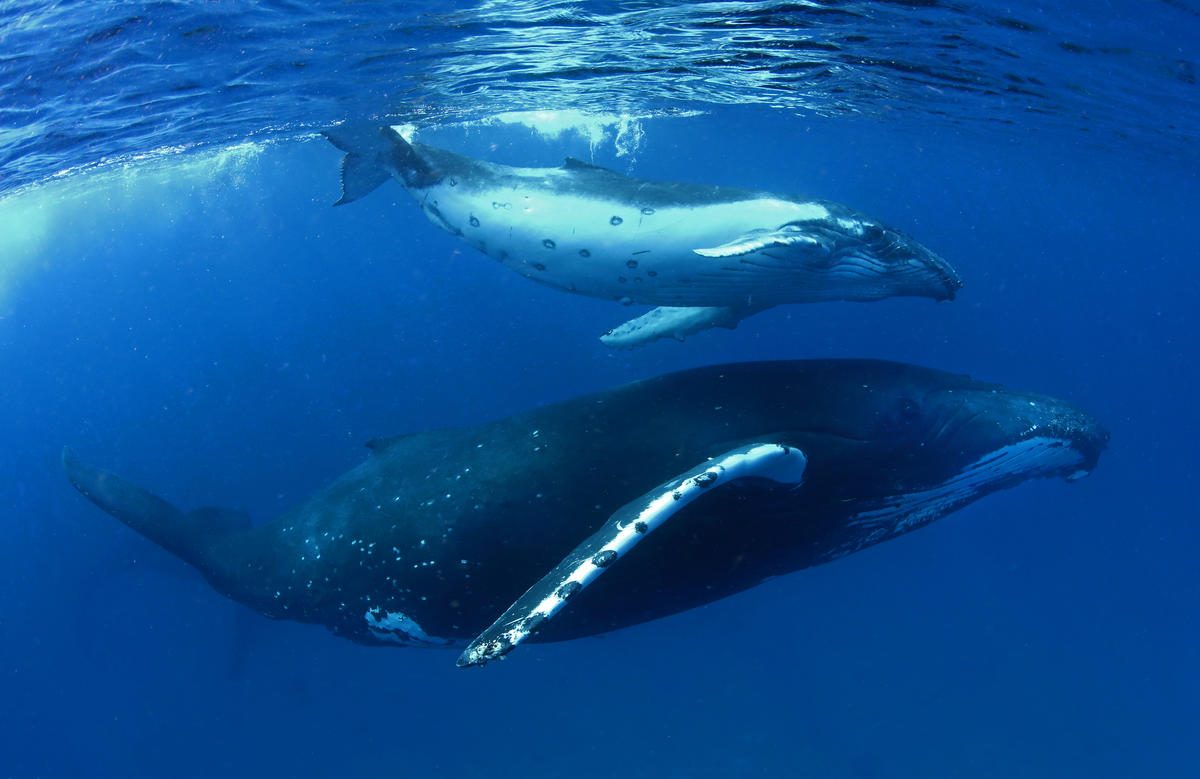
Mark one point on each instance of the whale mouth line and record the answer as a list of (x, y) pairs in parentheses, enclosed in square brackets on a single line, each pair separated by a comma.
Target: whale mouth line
[(894, 247), (1032, 457)]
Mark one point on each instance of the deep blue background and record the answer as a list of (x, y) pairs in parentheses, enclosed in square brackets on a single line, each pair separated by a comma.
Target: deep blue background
[(213, 330)]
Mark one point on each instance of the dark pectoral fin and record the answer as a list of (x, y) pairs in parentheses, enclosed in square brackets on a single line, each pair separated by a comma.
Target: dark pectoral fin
[(623, 530)]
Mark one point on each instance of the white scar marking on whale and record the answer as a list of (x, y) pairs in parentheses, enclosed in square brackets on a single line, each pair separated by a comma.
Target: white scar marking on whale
[(398, 628)]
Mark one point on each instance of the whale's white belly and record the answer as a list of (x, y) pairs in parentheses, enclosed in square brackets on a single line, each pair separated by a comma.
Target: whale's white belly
[(608, 249)]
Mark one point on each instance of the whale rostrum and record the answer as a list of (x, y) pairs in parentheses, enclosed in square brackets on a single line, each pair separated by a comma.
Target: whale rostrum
[(708, 256), (621, 506)]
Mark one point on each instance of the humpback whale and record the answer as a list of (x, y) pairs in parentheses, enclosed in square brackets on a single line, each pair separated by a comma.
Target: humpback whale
[(629, 504), (706, 256)]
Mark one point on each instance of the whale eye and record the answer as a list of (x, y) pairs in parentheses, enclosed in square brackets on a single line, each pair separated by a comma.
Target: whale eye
[(896, 420), (902, 415)]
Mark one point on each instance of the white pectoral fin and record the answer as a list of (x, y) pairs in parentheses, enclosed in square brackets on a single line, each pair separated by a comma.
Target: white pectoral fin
[(674, 322), (757, 241), (623, 530)]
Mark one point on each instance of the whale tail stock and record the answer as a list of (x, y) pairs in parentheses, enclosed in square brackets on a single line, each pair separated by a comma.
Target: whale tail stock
[(373, 155), (199, 538)]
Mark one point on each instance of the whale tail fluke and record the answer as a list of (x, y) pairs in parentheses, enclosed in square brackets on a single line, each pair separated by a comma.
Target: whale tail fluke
[(375, 154), (189, 536), (360, 176)]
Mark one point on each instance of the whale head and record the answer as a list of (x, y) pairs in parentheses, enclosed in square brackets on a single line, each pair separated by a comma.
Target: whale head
[(866, 259), (905, 445), (827, 251), (863, 246)]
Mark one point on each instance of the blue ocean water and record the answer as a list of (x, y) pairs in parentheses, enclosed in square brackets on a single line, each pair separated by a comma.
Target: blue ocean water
[(180, 302)]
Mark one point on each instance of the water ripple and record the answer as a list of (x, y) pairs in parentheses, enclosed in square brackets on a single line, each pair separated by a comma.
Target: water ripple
[(85, 82)]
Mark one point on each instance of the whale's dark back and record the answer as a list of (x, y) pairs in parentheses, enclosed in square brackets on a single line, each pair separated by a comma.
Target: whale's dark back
[(450, 526)]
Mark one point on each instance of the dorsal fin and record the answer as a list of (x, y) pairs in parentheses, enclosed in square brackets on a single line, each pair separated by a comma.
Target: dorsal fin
[(574, 163)]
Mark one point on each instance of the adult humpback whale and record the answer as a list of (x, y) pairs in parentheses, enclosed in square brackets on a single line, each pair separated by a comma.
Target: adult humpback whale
[(726, 475), (707, 256)]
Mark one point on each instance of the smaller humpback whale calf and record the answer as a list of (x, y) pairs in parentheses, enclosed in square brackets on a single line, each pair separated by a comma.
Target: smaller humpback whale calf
[(707, 256), (658, 496)]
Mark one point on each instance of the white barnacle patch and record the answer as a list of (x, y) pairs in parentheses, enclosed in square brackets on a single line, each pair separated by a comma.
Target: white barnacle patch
[(398, 628), (622, 532), (1031, 457)]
